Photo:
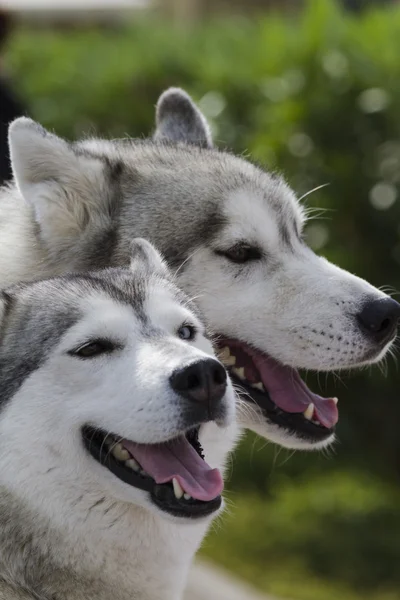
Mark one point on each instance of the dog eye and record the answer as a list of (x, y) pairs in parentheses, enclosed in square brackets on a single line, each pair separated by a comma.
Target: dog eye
[(187, 332), (93, 349), (241, 253)]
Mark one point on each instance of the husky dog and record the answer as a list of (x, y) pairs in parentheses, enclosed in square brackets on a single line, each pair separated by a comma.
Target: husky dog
[(234, 234), (110, 394)]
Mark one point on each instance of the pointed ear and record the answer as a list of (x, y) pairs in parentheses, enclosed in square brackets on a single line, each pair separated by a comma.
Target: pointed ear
[(145, 256), (179, 120), (61, 185), (36, 154)]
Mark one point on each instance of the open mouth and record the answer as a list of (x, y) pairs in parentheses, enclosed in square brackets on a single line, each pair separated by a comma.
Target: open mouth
[(174, 473), (279, 391)]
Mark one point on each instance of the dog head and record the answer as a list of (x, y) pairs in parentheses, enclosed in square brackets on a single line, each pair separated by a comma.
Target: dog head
[(234, 233), (112, 379)]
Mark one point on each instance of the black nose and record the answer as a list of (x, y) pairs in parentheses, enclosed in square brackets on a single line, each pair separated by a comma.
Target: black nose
[(379, 318), (203, 382)]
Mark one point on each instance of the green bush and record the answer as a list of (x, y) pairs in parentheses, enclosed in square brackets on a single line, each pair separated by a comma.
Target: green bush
[(320, 538), (317, 97)]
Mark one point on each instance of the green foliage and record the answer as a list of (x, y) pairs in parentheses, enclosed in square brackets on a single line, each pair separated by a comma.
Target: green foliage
[(314, 538), (317, 97)]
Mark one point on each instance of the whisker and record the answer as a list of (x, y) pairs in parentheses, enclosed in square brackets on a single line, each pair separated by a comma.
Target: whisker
[(319, 187), (186, 260)]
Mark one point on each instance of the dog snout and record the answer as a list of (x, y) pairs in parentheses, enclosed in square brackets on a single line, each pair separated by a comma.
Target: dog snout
[(379, 318), (203, 382)]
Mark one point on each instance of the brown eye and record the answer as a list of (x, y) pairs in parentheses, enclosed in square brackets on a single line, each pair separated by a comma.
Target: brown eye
[(241, 253), (93, 349)]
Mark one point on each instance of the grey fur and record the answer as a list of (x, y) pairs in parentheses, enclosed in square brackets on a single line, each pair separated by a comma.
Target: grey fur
[(188, 211), (186, 185)]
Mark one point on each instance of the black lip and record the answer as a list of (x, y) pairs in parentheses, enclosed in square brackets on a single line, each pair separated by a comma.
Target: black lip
[(294, 423), (162, 495)]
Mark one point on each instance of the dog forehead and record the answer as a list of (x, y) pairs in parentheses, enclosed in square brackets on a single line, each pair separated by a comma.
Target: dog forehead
[(251, 218), (269, 215), (168, 307), (46, 309), (126, 304)]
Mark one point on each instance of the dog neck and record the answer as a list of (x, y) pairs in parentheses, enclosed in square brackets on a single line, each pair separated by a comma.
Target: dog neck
[(97, 549)]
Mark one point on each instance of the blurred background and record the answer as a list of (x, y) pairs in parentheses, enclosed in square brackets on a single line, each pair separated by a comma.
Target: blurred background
[(311, 89)]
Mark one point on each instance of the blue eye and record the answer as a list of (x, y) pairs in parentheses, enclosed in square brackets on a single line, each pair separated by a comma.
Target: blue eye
[(187, 332)]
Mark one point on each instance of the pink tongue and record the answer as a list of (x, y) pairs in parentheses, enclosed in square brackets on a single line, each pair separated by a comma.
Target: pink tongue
[(284, 385), (178, 459), (289, 391)]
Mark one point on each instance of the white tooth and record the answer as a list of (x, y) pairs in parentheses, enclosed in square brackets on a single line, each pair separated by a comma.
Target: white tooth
[(186, 496), (120, 453), (224, 353), (178, 491), (132, 464), (308, 413), (336, 400), (109, 441), (226, 357), (239, 372), (258, 386), (230, 361)]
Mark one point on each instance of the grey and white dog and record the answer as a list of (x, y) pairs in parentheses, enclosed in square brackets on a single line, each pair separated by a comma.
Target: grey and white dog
[(109, 394), (234, 234)]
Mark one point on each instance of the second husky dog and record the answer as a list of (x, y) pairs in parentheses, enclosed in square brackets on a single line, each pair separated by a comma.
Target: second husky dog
[(109, 396)]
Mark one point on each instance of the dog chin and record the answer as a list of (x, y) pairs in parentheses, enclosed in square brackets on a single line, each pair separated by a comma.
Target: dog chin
[(285, 438), (375, 357)]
